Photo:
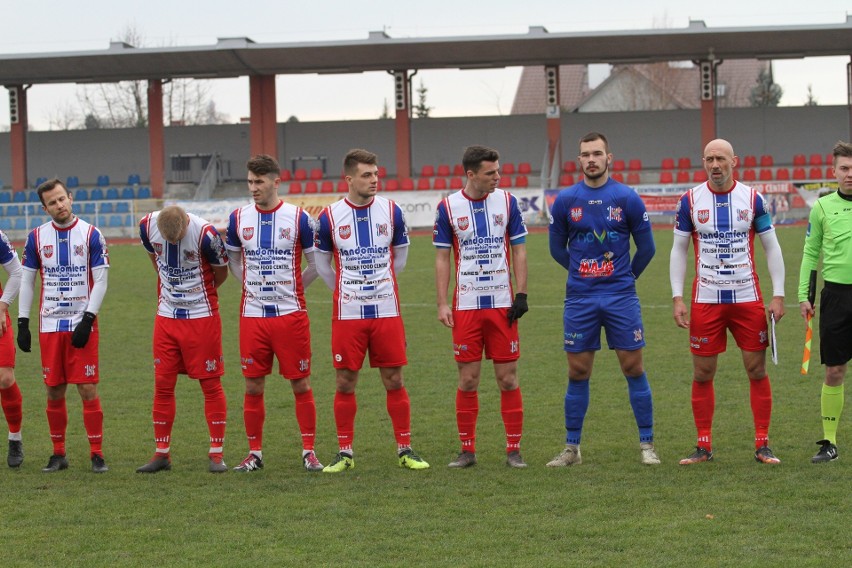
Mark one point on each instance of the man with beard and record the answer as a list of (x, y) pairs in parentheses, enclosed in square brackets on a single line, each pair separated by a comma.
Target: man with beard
[(591, 224)]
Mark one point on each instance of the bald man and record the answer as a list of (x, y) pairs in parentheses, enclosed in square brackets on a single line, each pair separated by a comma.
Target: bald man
[(721, 217)]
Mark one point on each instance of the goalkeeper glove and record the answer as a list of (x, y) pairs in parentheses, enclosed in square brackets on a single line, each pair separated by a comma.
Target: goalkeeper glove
[(25, 340), (519, 307), (81, 333)]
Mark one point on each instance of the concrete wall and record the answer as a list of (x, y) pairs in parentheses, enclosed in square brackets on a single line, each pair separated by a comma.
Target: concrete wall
[(649, 136)]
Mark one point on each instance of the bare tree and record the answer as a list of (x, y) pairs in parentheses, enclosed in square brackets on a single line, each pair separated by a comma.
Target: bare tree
[(811, 101), (421, 109)]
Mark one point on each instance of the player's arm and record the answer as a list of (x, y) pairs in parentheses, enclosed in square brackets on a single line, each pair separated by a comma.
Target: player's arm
[(324, 268), (220, 274), (810, 257), (677, 273), (558, 235), (645, 250), (235, 263), (775, 262), (519, 266), (400, 258), (310, 273), (25, 302), (10, 292), (442, 283)]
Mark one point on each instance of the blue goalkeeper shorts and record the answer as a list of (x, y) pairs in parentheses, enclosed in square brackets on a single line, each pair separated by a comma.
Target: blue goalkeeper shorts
[(619, 315)]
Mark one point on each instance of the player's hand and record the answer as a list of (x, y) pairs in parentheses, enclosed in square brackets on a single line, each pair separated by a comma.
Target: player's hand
[(776, 307), (519, 307), (806, 309), (25, 340), (680, 313), (81, 333), (445, 315)]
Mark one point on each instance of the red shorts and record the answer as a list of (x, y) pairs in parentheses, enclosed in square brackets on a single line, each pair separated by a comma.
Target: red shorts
[(384, 337), (708, 324), (286, 337), (490, 328), (7, 345), (188, 346), (64, 364)]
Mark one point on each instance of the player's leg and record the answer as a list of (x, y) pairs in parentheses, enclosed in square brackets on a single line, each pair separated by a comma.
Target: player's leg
[(349, 347), (306, 417), (467, 348), (168, 362), (502, 345), (215, 412), (12, 404), (831, 408), (57, 423), (256, 361), (93, 422)]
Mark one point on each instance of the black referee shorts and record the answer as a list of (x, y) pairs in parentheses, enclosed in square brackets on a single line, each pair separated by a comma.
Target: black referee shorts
[(835, 324)]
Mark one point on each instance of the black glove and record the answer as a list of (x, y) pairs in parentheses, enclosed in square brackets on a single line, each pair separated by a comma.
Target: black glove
[(25, 340), (81, 333), (519, 307)]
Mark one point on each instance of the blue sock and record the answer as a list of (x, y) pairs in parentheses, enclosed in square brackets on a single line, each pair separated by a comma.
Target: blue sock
[(643, 406), (576, 405)]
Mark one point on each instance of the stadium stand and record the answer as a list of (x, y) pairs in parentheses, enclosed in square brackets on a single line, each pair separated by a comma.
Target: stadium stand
[(618, 165), (427, 171), (440, 183), (750, 161), (507, 168), (782, 174), (684, 164), (766, 161), (569, 167), (765, 174), (667, 164), (634, 165), (424, 183)]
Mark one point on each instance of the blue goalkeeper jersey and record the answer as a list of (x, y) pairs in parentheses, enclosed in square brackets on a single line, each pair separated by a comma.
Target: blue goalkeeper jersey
[(595, 224)]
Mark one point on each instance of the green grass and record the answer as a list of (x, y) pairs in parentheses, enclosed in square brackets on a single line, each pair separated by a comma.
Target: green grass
[(609, 511)]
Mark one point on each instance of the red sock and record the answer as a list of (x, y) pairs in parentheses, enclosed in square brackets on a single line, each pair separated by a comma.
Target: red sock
[(467, 410), (93, 421), (163, 412), (345, 407), (761, 409), (512, 409), (57, 422), (11, 400), (703, 405), (216, 412), (399, 409), (306, 416), (254, 413)]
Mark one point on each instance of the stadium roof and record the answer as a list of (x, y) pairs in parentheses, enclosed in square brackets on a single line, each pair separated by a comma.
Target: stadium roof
[(234, 57)]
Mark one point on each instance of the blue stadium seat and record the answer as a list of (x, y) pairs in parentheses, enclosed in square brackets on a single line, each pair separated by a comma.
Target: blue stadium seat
[(103, 180), (36, 221), (13, 210), (5, 196), (77, 208), (40, 181), (89, 208), (112, 193), (144, 193), (97, 194), (128, 193), (32, 197), (71, 182), (122, 207), (5, 224), (115, 221), (20, 224), (81, 194), (134, 179), (31, 209), (107, 208), (20, 197)]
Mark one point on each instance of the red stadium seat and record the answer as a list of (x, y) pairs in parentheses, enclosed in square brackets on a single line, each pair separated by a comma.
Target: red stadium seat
[(569, 167), (633, 178), (765, 174), (343, 187), (392, 184), (522, 181), (311, 187), (829, 158), (300, 174), (458, 170), (815, 173), (505, 181), (524, 168), (456, 183), (327, 186), (316, 174), (816, 160), (444, 170), (666, 177), (618, 165), (799, 173), (782, 174), (406, 184), (683, 176), (424, 183), (799, 160), (699, 176), (440, 183), (618, 176), (798, 202), (383, 172), (667, 164), (295, 187), (634, 165), (285, 175), (766, 161), (749, 175), (829, 172), (566, 180), (684, 164), (507, 168), (427, 171), (750, 161)]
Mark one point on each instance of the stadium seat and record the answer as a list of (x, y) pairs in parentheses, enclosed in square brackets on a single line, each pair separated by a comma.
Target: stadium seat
[(300, 174), (134, 179), (505, 181), (390, 185), (39, 181), (634, 165), (424, 183), (766, 161), (97, 194), (5, 197), (20, 223), (618, 165), (507, 168), (115, 221), (112, 193), (569, 167), (667, 164), (76, 208), (683, 176), (20, 197), (798, 202), (829, 158), (89, 208), (285, 175), (295, 187), (327, 186), (427, 171), (666, 177), (684, 164), (524, 168), (749, 175), (13, 211), (440, 183), (122, 207), (32, 196), (618, 176), (103, 180), (444, 171), (800, 160), (522, 181), (144, 193), (342, 186), (782, 174), (815, 173), (36, 221), (456, 183), (128, 193), (765, 175), (633, 178), (406, 184), (458, 170), (750, 161), (71, 182), (316, 174), (816, 160), (129, 221), (566, 180), (799, 173), (311, 187), (829, 172), (107, 208), (699, 176), (383, 172), (81, 194), (5, 224)]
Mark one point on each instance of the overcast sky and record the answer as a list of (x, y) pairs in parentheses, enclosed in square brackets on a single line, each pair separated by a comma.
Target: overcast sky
[(61, 26)]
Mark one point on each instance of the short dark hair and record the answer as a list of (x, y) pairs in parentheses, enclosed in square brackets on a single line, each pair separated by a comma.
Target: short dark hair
[(263, 165), (475, 155), (50, 185), (592, 136), (358, 156), (842, 150)]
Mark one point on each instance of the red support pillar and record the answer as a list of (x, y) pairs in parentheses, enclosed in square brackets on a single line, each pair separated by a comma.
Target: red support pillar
[(263, 126), (18, 135), (554, 125), (707, 71), (402, 88), (156, 144)]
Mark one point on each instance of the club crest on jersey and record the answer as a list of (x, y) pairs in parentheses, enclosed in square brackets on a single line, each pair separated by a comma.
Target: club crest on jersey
[(703, 215), (576, 214), (158, 248), (47, 251), (614, 214), (464, 223), (284, 234), (498, 220), (743, 215), (190, 255), (78, 250), (248, 233), (345, 231), (382, 229), (637, 335)]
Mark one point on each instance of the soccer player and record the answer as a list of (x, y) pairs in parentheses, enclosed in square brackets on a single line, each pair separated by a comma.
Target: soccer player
[(591, 224), (481, 223), (368, 238), (266, 240), (10, 394), (72, 259), (721, 217), (828, 233), (191, 263)]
